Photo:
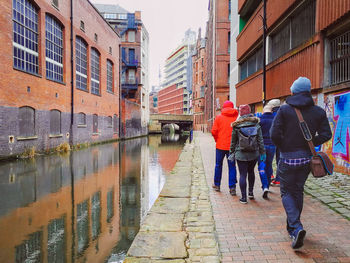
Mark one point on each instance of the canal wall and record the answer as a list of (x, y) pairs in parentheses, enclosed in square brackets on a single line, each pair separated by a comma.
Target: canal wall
[(179, 227)]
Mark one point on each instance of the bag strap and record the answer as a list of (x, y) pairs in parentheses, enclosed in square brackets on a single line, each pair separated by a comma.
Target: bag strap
[(306, 132)]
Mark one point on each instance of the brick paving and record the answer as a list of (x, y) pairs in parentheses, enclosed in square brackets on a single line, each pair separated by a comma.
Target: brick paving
[(256, 232)]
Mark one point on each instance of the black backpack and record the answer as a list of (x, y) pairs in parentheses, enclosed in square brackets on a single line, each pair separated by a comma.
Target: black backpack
[(248, 138)]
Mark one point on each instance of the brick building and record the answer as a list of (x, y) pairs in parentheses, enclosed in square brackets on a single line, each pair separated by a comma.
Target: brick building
[(198, 83), (304, 38), (171, 100), (54, 90), (218, 58), (135, 56)]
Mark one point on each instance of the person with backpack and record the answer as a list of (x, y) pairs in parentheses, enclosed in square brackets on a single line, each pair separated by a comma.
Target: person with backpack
[(247, 146), (294, 165), (221, 132)]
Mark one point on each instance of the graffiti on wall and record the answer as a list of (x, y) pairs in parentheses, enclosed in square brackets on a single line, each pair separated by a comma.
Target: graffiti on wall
[(337, 107)]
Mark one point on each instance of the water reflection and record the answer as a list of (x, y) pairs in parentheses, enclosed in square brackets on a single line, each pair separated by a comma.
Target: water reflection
[(85, 206)]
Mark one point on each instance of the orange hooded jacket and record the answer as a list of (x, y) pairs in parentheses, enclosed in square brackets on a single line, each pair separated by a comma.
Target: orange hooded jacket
[(222, 129)]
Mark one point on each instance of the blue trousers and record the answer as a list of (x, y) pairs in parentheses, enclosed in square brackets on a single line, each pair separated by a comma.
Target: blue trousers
[(270, 153), (292, 180), (232, 174), (246, 169)]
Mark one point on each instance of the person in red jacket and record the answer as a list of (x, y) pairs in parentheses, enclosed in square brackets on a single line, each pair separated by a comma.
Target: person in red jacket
[(222, 132)]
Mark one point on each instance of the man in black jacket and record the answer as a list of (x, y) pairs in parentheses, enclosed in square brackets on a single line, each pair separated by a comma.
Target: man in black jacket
[(294, 166)]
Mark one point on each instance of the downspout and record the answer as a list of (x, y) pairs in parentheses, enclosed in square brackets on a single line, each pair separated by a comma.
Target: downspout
[(213, 61), (120, 92), (264, 54), (71, 134), (72, 71)]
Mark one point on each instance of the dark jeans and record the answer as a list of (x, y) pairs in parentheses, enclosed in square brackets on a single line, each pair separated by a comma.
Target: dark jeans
[(232, 174), (270, 153), (246, 168), (292, 180)]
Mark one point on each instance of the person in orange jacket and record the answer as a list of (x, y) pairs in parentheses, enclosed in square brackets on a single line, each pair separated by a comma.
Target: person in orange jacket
[(222, 132)]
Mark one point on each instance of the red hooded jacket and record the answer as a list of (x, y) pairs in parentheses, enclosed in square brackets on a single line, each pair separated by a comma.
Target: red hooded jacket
[(222, 129)]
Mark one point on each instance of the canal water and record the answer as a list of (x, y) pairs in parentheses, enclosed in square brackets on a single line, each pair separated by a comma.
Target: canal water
[(82, 206)]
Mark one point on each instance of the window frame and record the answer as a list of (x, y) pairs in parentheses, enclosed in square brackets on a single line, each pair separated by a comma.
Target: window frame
[(56, 59), (26, 37), (95, 69), (110, 76), (81, 70)]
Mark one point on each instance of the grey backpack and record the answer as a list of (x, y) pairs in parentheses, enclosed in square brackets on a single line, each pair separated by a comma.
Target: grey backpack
[(248, 138)]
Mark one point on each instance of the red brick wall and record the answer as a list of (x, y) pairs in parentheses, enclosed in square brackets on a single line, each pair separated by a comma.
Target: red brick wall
[(107, 104), (170, 100)]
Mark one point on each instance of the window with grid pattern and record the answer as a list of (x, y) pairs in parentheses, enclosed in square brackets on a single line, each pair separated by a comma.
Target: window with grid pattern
[(54, 49), (95, 72), (109, 75), (25, 36), (81, 63)]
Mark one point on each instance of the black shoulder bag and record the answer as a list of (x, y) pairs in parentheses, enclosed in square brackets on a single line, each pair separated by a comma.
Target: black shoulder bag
[(321, 165)]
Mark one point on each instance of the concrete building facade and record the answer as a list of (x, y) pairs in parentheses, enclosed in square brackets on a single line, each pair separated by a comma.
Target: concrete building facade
[(178, 69), (218, 58), (55, 90), (304, 38), (198, 83), (134, 55)]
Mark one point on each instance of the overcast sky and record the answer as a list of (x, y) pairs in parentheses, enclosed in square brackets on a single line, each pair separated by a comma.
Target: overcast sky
[(166, 22)]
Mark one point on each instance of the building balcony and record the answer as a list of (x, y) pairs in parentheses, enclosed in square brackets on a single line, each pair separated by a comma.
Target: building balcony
[(130, 84)]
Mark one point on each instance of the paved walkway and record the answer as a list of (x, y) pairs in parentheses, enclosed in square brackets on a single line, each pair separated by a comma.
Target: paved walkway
[(256, 232)]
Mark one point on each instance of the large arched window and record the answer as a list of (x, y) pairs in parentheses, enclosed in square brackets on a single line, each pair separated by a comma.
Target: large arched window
[(81, 63), (25, 36), (26, 121), (54, 49), (95, 71)]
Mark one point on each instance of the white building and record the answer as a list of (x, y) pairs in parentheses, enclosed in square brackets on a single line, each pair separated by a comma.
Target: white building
[(178, 68)]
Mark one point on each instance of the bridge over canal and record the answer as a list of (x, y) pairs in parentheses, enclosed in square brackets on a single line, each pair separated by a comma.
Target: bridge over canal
[(158, 120)]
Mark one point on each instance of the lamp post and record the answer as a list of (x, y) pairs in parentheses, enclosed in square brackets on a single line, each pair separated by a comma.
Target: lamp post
[(264, 53)]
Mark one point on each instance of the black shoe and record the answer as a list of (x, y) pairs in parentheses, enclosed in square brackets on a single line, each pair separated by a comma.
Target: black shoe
[(243, 200), (265, 193), (233, 191), (250, 195), (216, 188), (298, 240)]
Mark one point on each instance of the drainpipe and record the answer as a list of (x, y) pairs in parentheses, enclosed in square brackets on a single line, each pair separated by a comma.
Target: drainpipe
[(120, 91), (264, 54), (71, 134), (72, 71)]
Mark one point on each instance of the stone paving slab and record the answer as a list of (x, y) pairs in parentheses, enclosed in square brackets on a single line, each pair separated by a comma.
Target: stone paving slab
[(147, 260), (169, 245), (175, 191), (163, 222), (170, 205)]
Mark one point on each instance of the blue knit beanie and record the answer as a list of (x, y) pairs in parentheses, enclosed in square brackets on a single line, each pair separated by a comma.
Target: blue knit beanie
[(302, 84)]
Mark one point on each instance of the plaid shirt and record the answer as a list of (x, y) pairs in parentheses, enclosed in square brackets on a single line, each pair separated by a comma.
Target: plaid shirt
[(296, 162)]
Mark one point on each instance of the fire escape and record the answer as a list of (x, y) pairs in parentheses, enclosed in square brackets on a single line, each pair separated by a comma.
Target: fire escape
[(130, 63)]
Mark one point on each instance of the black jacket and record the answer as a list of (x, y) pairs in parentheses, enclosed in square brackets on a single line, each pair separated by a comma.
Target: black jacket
[(286, 133)]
